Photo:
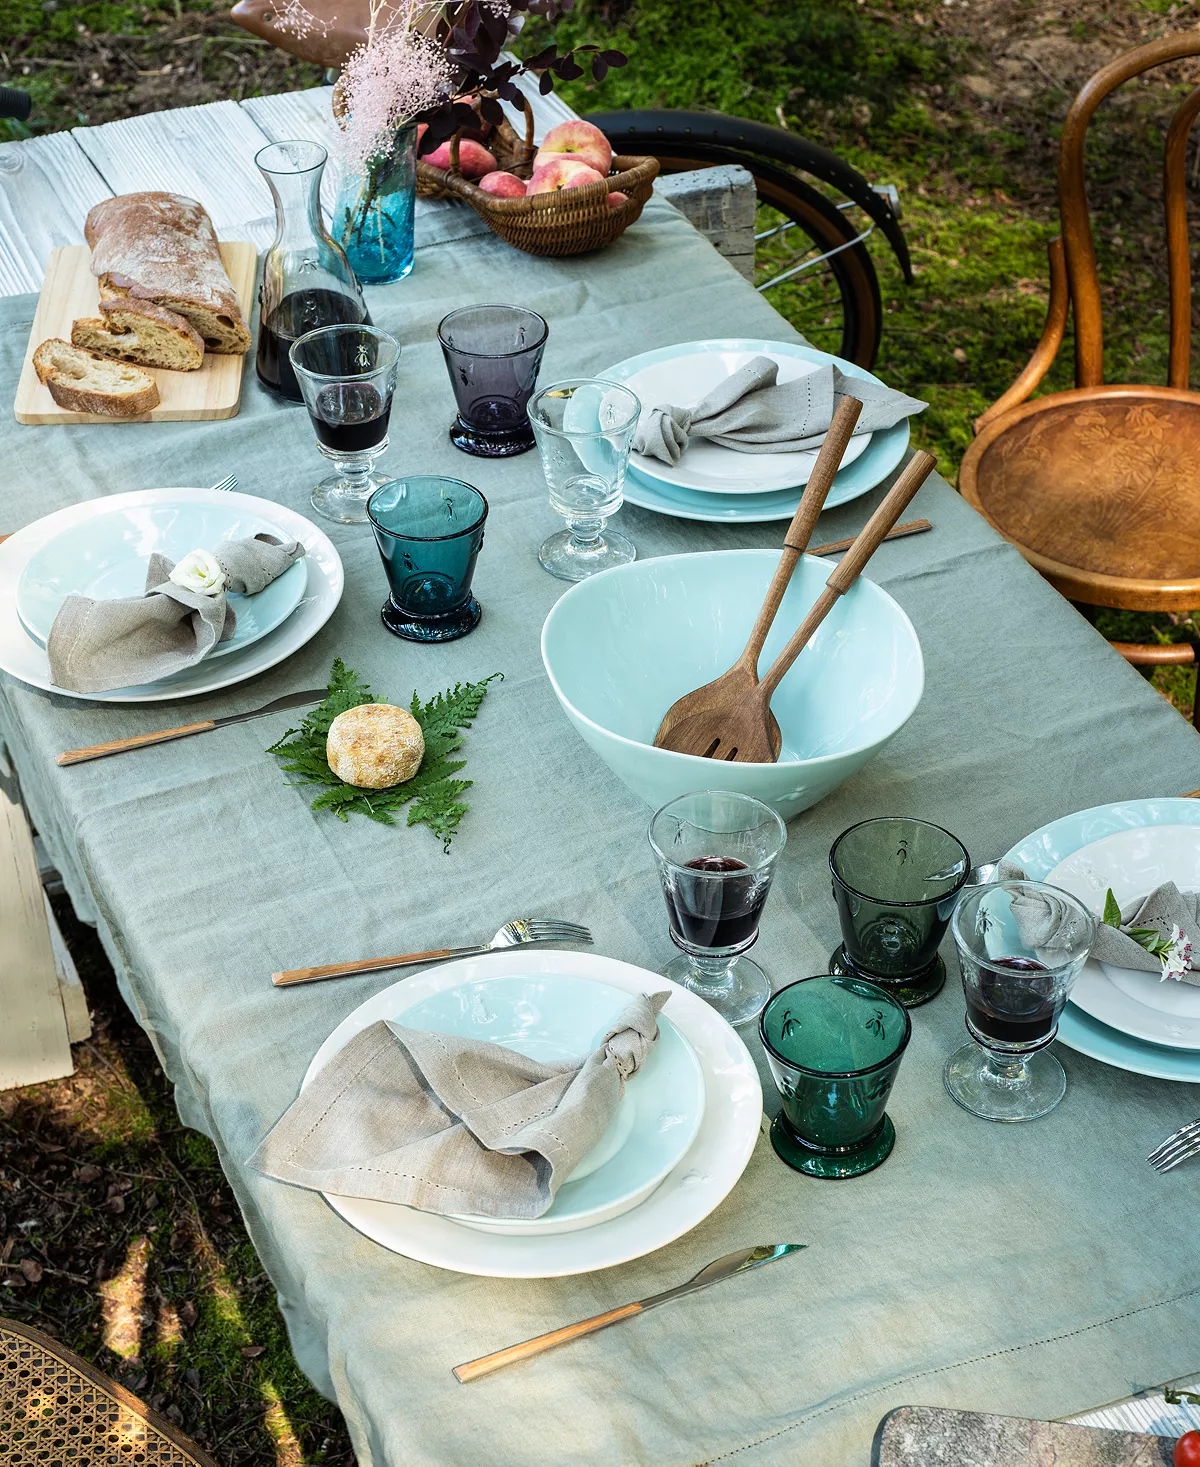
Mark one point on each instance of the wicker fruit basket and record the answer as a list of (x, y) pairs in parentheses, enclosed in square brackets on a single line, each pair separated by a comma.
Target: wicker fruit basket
[(567, 222)]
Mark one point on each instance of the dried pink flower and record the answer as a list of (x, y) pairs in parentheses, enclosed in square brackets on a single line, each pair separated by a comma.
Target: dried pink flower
[(384, 85)]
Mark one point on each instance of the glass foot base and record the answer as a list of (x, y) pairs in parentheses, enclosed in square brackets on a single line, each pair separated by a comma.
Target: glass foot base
[(456, 623), (345, 500), (741, 998), (912, 991), (492, 442), (850, 1161), (973, 1084), (562, 557)]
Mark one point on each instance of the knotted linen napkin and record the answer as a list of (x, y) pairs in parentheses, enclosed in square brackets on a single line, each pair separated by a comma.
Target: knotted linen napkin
[(97, 645), (752, 412), (1164, 909), (449, 1124)]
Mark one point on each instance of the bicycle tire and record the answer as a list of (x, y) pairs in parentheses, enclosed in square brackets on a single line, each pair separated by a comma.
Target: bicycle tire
[(793, 150), (679, 144)]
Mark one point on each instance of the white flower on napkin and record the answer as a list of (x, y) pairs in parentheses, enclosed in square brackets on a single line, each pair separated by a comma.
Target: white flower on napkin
[(200, 571), (1177, 959)]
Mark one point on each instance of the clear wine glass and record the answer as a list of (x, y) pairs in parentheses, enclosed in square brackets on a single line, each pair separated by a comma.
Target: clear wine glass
[(584, 428), (1021, 946), (347, 375), (716, 852)]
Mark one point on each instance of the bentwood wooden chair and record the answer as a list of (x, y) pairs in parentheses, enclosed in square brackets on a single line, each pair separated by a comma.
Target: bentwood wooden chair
[(1099, 487)]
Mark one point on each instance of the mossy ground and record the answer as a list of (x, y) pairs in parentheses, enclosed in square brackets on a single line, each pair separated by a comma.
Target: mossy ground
[(116, 1222)]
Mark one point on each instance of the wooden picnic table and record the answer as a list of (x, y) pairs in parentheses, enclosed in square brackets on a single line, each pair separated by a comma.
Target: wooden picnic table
[(1031, 1269), (48, 184)]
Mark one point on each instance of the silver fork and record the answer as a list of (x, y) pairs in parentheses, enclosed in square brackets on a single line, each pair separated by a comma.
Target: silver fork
[(1179, 1146), (517, 933), (230, 481)]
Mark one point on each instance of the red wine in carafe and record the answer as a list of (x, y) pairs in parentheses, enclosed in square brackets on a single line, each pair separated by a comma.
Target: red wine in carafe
[(1015, 1001), (705, 912), (302, 311)]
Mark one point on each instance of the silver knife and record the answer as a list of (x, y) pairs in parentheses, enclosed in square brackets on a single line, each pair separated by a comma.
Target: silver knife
[(184, 731), (723, 1268)]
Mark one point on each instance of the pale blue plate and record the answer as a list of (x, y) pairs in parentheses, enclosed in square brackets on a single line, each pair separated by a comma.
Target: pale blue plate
[(106, 558), (553, 1017), (1038, 854), (643, 488)]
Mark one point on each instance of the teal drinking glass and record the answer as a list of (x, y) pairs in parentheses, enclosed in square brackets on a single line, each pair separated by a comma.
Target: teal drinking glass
[(429, 531), (895, 881), (834, 1045)]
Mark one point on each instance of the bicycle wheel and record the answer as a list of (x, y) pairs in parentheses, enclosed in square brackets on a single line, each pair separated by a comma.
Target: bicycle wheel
[(845, 275)]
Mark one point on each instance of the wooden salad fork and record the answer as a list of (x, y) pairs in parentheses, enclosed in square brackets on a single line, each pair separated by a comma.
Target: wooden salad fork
[(517, 933), (742, 729), (742, 677)]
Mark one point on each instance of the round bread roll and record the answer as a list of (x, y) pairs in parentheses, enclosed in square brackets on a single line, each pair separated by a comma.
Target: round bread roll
[(374, 746)]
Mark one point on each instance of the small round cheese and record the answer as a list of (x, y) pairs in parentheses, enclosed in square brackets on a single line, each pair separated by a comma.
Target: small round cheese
[(374, 746)]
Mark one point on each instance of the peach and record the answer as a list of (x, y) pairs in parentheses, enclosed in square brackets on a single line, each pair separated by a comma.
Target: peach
[(562, 173), (474, 160), (577, 139), (616, 198), (503, 185)]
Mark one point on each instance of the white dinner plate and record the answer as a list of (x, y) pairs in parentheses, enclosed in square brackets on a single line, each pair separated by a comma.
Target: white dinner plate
[(663, 375), (1038, 854), (556, 1018), (1132, 863), (106, 558), (23, 658), (700, 1181), (710, 468)]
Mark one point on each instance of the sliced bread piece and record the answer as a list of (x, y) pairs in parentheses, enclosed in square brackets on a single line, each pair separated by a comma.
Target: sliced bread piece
[(140, 331), (84, 382), (223, 334)]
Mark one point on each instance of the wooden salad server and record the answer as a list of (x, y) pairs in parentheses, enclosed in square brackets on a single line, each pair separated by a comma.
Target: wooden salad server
[(742, 677), (741, 729)]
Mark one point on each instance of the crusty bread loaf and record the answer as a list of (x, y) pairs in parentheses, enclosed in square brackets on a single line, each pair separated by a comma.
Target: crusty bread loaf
[(374, 746), (141, 332), (84, 382), (161, 247)]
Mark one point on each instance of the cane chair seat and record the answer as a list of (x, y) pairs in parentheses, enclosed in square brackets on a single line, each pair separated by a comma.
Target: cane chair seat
[(56, 1411)]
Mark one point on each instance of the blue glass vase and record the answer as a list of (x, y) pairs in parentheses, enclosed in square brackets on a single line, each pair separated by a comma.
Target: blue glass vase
[(373, 215)]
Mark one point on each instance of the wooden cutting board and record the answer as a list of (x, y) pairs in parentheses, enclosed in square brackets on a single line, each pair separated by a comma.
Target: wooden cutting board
[(928, 1436), (70, 290)]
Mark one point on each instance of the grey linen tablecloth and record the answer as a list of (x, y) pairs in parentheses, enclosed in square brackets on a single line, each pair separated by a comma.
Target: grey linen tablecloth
[(1033, 1270)]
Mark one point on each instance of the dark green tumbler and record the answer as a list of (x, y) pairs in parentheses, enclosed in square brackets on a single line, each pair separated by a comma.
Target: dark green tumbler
[(895, 881), (834, 1045)]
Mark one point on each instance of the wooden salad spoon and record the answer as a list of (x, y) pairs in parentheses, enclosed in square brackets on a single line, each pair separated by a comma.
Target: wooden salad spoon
[(742, 677), (742, 729)]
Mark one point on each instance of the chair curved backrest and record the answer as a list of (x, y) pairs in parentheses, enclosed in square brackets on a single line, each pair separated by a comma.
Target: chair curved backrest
[(1076, 226)]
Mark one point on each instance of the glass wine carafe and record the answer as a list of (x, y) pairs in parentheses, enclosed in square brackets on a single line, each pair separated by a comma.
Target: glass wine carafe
[(306, 281)]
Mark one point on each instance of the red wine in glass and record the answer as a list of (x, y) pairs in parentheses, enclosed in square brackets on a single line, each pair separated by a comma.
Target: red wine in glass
[(1016, 1001), (717, 907), (296, 314), (350, 417)]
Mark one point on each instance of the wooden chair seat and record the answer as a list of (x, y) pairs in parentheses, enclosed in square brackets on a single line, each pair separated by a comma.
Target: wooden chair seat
[(1099, 488)]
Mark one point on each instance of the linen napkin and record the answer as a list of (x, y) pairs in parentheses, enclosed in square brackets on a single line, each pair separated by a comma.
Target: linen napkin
[(449, 1124), (97, 645), (1163, 910), (753, 412)]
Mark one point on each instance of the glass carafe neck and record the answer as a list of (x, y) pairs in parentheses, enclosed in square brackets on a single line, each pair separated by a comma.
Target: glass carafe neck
[(293, 171)]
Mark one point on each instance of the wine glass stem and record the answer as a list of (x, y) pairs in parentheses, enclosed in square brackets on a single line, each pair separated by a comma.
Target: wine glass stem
[(586, 534), (710, 972), (1005, 1068)]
